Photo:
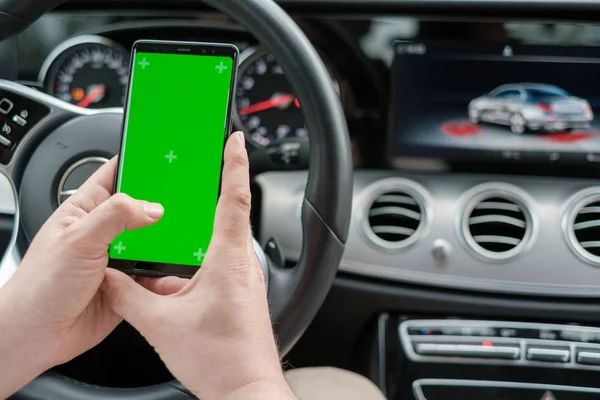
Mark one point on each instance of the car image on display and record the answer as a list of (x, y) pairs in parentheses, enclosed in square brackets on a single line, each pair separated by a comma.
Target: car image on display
[(531, 106)]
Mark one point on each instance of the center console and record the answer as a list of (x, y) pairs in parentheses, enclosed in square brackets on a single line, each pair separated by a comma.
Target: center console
[(441, 359)]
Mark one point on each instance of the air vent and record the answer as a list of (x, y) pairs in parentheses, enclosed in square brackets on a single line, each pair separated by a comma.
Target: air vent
[(395, 217), (497, 225), (584, 227)]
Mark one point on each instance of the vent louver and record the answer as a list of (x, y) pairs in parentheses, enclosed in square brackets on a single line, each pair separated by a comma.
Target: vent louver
[(394, 218), (497, 226)]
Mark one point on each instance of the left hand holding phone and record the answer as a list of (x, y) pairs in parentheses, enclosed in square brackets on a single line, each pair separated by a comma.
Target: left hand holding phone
[(52, 310)]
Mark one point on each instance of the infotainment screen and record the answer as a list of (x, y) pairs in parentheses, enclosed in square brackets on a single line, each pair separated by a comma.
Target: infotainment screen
[(468, 102)]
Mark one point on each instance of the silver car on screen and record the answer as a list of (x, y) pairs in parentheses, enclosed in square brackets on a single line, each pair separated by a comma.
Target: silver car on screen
[(532, 106)]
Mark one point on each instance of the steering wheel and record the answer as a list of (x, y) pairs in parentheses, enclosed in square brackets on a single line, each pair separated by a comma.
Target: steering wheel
[(59, 137)]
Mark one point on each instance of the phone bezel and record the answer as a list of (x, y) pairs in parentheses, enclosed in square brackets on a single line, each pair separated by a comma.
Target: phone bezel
[(144, 268)]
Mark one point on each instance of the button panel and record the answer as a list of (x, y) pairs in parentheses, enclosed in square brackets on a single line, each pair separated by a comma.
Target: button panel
[(503, 343), (17, 115)]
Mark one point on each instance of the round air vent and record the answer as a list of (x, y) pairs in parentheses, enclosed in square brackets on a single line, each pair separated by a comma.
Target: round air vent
[(497, 225), (395, 216), (583, 228)]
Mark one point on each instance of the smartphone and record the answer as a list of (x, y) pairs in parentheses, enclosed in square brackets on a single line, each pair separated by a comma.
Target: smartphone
[(177, 118)]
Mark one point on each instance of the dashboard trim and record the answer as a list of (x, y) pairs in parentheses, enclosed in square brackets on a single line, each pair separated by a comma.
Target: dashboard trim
[(72, 42), (375, 190), (548, 268)]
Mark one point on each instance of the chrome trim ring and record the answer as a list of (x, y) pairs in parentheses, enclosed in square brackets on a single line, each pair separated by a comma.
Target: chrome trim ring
[(574, 206), (70, 43), (496, 189), (88, 160), (373, 191)]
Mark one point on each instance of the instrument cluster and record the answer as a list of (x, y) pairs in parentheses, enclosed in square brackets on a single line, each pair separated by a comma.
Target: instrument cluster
[(92, 71)]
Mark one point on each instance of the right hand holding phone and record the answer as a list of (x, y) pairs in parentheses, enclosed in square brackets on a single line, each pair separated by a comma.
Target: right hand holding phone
[(214, 331)]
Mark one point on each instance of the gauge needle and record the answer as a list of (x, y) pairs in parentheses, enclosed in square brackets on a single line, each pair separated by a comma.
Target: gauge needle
[(96, 92), (275, 101)]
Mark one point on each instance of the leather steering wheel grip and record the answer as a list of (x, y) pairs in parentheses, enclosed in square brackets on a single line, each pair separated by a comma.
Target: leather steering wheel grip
[(297, 293)]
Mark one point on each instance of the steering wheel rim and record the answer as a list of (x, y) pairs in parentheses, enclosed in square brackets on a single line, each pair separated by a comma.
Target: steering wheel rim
[(297, 293)]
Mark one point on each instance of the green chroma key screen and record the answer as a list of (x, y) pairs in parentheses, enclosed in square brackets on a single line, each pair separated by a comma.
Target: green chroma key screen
[(172, 153)]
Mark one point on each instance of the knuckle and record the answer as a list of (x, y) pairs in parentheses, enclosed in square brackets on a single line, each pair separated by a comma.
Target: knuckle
[(122, 204), (242, 197), (239, 197), (239, 159)]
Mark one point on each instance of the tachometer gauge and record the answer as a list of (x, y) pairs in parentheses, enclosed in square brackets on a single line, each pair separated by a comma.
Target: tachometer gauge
[(266, 108), (88, 71)]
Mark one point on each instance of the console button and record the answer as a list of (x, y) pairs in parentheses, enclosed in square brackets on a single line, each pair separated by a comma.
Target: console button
[(487, 350), (546, 354), (588, 357)]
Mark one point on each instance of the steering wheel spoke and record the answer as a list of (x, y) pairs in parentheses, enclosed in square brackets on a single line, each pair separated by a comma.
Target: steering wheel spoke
[(26, 118)]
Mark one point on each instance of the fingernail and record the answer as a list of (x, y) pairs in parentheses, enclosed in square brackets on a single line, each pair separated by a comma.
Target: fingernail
[(154, 210), (241, 138)]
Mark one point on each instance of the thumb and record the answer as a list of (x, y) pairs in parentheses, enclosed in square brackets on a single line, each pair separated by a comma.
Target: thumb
[(129, 299), (116, 214)]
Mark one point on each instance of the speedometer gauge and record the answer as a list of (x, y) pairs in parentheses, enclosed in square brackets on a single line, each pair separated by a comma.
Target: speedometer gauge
[(88, 71), (266, 108)]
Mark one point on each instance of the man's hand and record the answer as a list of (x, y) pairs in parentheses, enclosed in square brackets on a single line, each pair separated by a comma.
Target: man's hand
[(52, 310), (214, 331)]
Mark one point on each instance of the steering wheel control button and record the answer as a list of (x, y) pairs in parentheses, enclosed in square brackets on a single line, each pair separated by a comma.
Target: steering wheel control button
[(26, 111), (5, 142), (274, 251), (544, 354), (6, 129), (14, 126), (19, 120), (6, 105), (588, 357), (488, 350)]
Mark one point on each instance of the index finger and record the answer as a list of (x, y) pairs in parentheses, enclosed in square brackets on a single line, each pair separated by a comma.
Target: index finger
[(232, 219)]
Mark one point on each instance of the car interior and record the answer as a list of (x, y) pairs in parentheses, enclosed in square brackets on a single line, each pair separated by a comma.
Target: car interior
[(442, 242)]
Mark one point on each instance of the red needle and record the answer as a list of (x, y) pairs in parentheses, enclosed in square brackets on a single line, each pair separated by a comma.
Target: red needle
[(91, 96), (265, 105)]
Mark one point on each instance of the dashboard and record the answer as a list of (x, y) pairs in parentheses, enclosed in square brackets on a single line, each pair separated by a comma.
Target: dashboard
[(475, 131), (476, 141)]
